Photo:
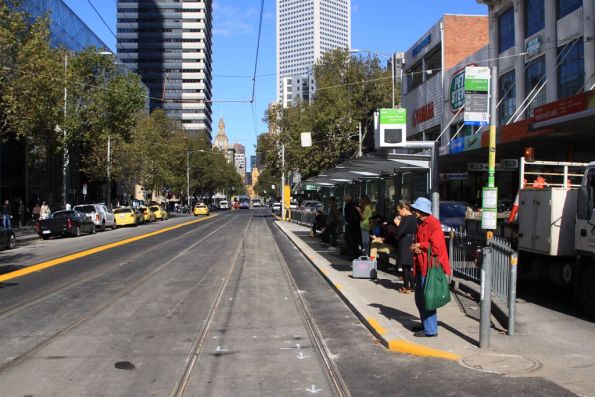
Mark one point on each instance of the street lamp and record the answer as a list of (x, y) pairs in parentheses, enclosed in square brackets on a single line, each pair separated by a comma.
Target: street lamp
[(387, 57)]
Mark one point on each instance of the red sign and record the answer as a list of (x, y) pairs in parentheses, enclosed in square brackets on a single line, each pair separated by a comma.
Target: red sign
[(424, 113), (560, 108)]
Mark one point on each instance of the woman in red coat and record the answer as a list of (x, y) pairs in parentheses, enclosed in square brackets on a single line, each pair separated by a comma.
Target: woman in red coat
[(429, 235)]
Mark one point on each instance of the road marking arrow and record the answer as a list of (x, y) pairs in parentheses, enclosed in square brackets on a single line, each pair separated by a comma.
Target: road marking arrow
[(301, 356), (313, 389)]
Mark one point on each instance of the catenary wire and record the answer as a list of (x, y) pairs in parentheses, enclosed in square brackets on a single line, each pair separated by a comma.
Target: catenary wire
[(257, 50)]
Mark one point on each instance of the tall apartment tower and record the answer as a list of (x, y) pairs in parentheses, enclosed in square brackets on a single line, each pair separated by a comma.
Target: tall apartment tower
[(168, 43), (305, 30)]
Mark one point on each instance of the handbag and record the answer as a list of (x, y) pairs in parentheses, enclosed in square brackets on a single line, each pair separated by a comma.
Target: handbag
[(436, 288)]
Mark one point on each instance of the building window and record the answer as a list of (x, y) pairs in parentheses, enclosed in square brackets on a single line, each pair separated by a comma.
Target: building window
[(414, 77), (534, 17), (565, 7), (571, 72), (507, 94), (434, 63), (535, 84), (506, 30)]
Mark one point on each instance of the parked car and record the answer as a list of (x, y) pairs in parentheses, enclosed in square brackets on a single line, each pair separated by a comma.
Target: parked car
[(256, 203), (7, 238), (276, 206), (101, 216), (201, 209), (310, 205), (160, 213), (128, 217), (452, 214), (65, 223), (293, 205), (148, 215), (223, 205), (236, 205)]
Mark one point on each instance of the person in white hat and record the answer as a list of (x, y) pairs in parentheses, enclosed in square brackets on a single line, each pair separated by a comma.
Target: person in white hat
[(429, 235)]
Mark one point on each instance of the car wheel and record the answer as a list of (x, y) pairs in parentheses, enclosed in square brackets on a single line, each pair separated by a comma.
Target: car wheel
[(93, 231), (114, 226), (77, 231), (12, 242), (45, 237), (103, 226)]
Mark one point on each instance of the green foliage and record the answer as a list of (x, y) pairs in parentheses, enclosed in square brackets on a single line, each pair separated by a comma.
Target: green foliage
[(348, 89)]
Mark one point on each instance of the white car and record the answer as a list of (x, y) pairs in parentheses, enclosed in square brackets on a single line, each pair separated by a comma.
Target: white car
[(256, 203), (293, 205), (101, 216), (223, 205), (276, 207)]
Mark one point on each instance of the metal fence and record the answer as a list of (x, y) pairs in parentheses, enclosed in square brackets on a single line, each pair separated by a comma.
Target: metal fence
[(466, 254), (303, 217)]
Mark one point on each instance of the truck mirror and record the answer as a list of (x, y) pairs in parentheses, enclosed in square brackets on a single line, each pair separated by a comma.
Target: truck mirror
[(583, 207)]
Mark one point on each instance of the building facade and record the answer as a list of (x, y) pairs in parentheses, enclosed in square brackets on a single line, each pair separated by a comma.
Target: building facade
[(305, 30), (169, 44), (446, 43)]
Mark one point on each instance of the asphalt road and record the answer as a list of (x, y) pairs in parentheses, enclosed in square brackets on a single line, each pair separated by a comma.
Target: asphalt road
[(223, 307)]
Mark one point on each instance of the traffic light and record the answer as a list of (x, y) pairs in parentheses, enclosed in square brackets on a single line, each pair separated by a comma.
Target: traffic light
[(529, 154)]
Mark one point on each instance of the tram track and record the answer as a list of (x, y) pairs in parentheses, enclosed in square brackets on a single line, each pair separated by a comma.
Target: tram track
[(98, 308)]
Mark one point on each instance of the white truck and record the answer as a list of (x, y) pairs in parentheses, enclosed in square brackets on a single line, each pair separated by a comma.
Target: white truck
[(556, 226)]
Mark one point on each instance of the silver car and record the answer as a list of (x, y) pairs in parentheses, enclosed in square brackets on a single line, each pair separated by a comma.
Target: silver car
[(101, 216)]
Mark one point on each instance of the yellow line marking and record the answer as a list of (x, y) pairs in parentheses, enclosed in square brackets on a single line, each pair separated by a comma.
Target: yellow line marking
[(377, 327), (403, 346), (82, 254), (324, 271), (338, 286)]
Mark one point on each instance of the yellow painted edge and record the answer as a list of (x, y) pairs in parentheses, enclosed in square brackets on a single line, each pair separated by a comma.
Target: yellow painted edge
[(77, 255), (324, 271), (338, 286), (403, 346), (377, 327)]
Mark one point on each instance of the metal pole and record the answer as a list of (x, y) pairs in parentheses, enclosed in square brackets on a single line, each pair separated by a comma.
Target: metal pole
[(282, 181), (493, 121), (435, 179), (188, 177), (65, 150), (485, 299), (359, 151), (512, 293), (393, 77), (109, 174)]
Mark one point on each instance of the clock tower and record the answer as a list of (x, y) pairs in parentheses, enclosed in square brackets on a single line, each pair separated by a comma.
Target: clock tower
[(220, 141)]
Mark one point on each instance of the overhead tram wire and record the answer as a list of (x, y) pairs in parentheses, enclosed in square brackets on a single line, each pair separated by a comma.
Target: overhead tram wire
[(102, 20), (257, 51)]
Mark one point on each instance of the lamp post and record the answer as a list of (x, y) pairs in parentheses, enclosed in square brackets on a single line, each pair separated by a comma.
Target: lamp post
[(387, 57)]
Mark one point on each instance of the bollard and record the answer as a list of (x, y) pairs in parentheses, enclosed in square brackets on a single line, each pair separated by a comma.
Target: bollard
[(451, 247), (486, 299), (512, 293)]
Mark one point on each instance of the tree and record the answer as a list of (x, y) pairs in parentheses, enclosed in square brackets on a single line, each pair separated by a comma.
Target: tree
[(348, 89)]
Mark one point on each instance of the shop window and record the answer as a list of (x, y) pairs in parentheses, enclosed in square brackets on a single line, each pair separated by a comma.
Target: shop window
[(534, 16), (571, 70), (534, 80), (507, 94), (414, 76), (506, 30), (434, 63), (565, 7)]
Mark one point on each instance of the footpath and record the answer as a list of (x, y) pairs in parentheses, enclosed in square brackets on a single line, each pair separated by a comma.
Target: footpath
[(548, 344)]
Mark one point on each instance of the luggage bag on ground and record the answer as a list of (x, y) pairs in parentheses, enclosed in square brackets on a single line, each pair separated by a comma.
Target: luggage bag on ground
[(363, 267)]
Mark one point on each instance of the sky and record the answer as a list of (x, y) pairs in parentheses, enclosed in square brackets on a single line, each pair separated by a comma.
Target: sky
[(378, 25)]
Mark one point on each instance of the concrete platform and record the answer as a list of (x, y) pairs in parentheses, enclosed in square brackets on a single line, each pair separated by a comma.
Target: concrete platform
[(551, 345)]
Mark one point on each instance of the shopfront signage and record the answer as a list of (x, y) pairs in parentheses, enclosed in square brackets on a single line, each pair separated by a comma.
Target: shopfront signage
[(424, 113), (533, 46), (559, 108), (454, 176), (311, 186), (457, 90), (421, 45), (477, 93), (503, 165), (457, 145)]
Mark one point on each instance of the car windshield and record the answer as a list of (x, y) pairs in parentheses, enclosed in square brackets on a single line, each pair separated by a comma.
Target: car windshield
[(154, 208), (453, 210), (63, 214), (122, 210), (85, 208)]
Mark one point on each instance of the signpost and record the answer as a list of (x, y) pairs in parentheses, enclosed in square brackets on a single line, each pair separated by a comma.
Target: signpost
[(391, 129)]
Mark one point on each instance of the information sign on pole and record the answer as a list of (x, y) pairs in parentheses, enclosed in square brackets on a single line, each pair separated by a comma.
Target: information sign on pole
[(391, 128), (489, 211), (477, 95)]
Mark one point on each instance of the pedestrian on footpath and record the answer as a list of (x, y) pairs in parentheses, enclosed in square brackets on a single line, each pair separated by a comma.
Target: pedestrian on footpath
[(365, 212), (429, 235), (6, 214), (21, 213), (44, 211), (36, 211), (352, 230), (406, 224)]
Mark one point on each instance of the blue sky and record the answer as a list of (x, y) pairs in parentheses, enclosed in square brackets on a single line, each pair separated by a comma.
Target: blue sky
[(381, 25)]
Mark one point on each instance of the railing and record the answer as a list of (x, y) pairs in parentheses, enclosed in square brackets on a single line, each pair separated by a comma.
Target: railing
[(466, 254), (303, 217)]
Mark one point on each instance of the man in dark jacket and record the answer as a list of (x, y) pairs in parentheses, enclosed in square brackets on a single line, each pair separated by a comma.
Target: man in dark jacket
[(352, 230), (6, 214)]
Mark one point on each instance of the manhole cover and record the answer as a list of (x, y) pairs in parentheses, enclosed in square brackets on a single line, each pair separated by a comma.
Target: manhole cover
[(508, 364)]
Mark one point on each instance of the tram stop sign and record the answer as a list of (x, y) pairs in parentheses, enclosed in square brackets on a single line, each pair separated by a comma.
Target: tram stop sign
[(477, 96)]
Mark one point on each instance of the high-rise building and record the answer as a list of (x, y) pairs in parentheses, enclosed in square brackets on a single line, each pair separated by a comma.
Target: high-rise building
[(168, 43), (305, 30)]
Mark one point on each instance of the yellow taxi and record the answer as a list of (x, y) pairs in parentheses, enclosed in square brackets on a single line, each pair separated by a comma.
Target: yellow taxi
[(159, 212), (148, 215), (126, 217), (201, 209)]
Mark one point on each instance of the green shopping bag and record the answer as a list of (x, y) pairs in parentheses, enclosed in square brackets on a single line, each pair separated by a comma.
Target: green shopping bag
[(436, 289)]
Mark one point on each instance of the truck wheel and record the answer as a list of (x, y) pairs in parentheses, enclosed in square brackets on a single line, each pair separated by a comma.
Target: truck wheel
[(587, 291)]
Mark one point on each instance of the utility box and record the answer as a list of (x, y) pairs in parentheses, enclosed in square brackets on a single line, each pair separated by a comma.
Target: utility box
[(546, 221)]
